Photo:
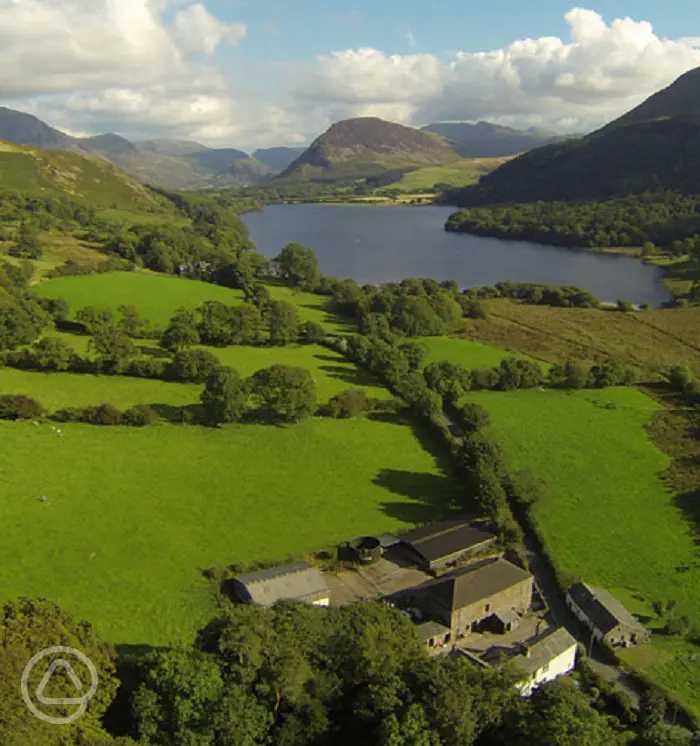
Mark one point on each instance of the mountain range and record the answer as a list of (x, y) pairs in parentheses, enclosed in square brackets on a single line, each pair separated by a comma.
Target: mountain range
[(353, 149), (655, 146), (487, 140), (174, 164)]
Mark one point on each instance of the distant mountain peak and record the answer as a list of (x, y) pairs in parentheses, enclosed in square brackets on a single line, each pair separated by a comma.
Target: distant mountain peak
[(366, 146)]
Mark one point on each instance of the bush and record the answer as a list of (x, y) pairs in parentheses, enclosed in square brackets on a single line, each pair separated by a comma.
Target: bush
[(193, 365), (350, 403), (311, 332), (472, 417), (147, 367), (104, 414), (140, 416), (19, 407), (485, 378)]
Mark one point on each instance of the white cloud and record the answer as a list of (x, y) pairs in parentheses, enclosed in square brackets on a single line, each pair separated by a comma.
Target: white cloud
[(199, 32), (599, 73), (149, 68)]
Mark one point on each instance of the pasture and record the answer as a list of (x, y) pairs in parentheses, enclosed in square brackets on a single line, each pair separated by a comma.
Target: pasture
[(132, 517), (607, 516), (465, 352), (60, 390), (331, 372), (457, 174), (158, 296)]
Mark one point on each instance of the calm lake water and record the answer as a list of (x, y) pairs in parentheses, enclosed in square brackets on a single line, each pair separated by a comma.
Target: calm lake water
[(384, 244)]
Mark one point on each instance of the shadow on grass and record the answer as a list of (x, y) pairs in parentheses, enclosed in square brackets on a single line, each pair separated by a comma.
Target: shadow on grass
[(689, 503), (349, 375), (434, 496)]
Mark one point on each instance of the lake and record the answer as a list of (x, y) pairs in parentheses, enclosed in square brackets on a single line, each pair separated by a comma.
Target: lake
[(385, 244)]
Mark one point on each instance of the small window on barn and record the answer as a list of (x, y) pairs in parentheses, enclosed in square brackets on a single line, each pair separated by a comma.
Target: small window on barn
[(487, 608)]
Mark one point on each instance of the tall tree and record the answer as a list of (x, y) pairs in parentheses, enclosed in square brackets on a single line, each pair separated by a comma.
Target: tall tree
[(298, 266)]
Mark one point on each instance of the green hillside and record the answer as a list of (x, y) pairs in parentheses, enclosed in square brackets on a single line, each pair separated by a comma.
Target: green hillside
[(60, 174)]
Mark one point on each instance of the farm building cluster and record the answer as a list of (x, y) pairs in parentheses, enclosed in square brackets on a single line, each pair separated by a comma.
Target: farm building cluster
[(462, 594)]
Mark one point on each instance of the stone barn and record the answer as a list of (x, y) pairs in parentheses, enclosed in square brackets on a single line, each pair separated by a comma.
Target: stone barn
[(463, 600), (606, 618)]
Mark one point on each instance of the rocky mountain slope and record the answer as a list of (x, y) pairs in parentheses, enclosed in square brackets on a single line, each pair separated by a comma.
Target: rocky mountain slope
[(368, 146)]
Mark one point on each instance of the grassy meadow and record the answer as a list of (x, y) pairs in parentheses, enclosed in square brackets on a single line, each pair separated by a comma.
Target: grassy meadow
[(158, 296), (60, 390), (465, 352), (331, 372), (607, 516), (457, 174), (132, 516)]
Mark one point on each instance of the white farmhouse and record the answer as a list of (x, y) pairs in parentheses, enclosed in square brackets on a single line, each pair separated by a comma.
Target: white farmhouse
[(546, 660)]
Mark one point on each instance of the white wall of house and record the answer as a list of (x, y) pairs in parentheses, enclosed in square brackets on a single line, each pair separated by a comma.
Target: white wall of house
[(559, 666), (322, 602)]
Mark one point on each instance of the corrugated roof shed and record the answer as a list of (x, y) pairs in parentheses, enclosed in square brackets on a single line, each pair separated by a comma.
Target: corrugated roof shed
[(296, 581), (445, 539)]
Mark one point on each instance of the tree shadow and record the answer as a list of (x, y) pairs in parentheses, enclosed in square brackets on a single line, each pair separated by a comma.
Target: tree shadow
[(432, 495), (350, 375), (689, 503), (186, 414)]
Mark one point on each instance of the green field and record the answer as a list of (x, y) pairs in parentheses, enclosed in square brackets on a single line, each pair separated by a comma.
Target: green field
[(159, 296), (464, 352), (607, 516), (331, 372), (133, 516), (156, 296), (457, 174), (61, 390)]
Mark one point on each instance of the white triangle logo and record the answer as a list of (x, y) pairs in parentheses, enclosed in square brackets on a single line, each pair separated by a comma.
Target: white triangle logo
[(66, 666)]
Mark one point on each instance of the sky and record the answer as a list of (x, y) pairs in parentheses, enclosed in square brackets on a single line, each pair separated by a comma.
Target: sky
[(260, 73)]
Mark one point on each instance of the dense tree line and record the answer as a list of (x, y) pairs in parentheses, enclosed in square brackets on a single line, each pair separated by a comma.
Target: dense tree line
[(296, 675), (23, 316), (667, 220)]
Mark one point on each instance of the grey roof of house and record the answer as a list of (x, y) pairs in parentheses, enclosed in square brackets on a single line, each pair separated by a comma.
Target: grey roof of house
[(545, 650), (295, 581), (476, 583), (428, 630), (603, 610), (507, 616), (445, 539)]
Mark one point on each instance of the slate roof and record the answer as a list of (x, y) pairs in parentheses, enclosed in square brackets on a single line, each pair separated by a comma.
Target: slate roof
[(544, 651), (476, 582), (428, 630), (444, 539), (296, 581), (603, 610)]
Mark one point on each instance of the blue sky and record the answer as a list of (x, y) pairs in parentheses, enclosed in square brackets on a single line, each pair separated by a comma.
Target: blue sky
[(300, 29), (250, 73)]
